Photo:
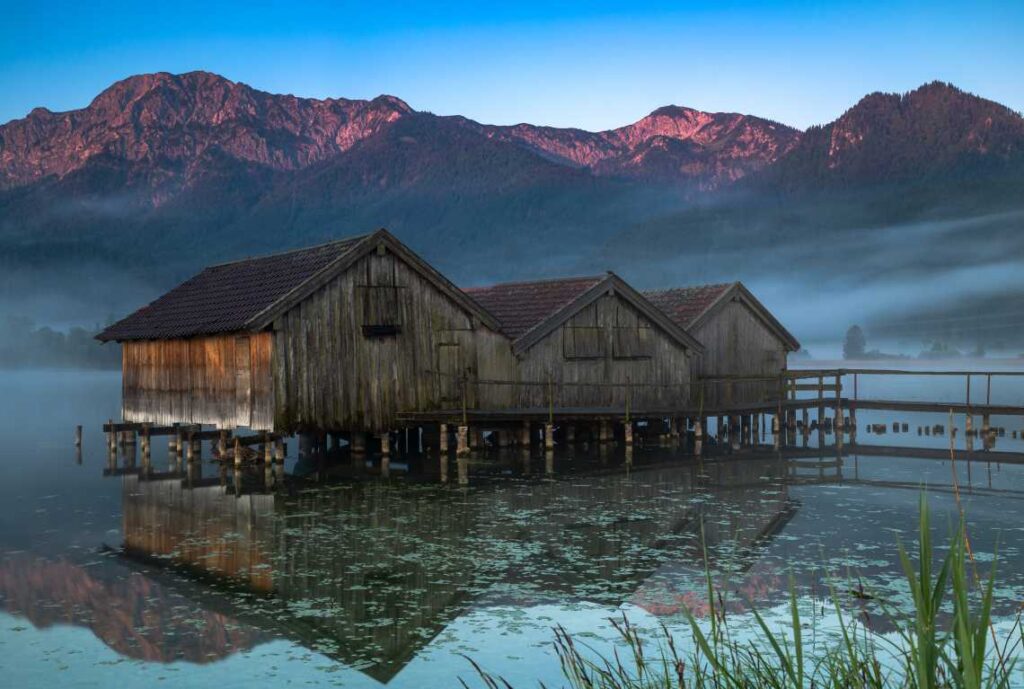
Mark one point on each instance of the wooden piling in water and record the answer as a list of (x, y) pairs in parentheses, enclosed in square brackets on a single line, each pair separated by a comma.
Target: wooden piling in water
[(549, 436), (462, 441), (442, 441), (357, 442)]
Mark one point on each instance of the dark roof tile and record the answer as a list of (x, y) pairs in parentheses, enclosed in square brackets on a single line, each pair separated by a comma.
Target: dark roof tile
[(685, 304), (223, 298), (521, 306)]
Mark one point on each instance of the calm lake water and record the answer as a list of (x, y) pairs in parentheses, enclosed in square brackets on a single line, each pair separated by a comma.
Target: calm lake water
[(361, 577)]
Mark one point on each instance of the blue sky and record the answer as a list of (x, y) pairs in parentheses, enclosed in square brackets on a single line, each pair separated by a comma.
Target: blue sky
[(594, 65)]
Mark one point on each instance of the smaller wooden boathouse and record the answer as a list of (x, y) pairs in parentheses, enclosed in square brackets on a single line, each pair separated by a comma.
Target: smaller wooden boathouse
[(590, 343), (741, 339)]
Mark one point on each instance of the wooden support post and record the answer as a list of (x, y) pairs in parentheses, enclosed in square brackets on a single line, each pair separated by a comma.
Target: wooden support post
[(673, 428), (385, 443), (985, 424), (549, 436), (190, 449), (756, 428), (179, 441), (805, 420), (775, 425), (268, 449), (604, 431), (238, 452), (78, 436), (524, 434), (222, 443), (462, 441), (698, 431), (627, 431), (111, 440), (442, 442), (357, 442), (278, 450)]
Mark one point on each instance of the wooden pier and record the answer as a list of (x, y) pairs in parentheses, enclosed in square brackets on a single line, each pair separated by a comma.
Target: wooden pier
[(794, 403)]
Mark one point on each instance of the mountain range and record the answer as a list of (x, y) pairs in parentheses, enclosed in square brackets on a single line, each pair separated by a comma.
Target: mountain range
[(162, 173)]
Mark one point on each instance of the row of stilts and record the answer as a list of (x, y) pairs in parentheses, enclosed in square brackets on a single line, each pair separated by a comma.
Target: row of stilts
[(186, 442)]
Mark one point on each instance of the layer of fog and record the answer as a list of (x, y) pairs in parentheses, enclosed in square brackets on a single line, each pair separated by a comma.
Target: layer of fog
[(927, 275)]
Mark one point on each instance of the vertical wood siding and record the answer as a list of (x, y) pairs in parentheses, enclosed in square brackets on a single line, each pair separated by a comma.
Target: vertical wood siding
[(331, 372), (737, 342), (198, 381), (606, 343)]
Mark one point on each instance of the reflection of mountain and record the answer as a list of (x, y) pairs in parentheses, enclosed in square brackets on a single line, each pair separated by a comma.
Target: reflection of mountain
[(129, 612), (368, 573)]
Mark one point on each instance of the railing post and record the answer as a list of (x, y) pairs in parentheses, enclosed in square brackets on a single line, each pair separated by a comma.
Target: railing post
[(839, 403)]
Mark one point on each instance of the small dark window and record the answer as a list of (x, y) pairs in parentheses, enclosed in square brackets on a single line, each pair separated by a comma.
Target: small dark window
[(381, 330), (378, 299)]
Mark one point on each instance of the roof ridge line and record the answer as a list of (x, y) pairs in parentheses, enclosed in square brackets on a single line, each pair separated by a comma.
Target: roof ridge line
[(574, 278), (277, 254), (705, 285)]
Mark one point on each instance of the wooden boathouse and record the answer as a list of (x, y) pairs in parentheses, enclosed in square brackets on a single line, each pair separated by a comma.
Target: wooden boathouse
[(741, 340), (336, 337), (595, 339)]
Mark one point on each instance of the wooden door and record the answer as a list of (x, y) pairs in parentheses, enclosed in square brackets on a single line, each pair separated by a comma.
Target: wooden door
[(449, 374), (243, 382)]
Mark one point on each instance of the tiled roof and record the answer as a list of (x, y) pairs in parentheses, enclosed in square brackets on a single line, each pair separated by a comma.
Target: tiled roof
[(223, 298), (521, 306), (685, 304)]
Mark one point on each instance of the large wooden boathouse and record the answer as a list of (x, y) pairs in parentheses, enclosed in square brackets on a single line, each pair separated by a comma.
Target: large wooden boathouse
[(333, 337)]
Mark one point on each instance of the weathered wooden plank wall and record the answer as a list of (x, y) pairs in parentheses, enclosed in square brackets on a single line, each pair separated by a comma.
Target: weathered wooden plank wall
[(609, 342), (376, 340), (738, 343), (198, 380)]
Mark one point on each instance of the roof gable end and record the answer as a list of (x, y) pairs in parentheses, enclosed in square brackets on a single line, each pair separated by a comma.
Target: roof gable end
[(610, 284)]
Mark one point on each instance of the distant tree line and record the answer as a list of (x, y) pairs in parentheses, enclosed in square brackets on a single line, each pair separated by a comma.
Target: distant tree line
[(23, 344)]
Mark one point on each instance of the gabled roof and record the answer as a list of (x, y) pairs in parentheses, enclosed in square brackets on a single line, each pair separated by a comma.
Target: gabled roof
[(693, 306), (529, 311), (521, 306), (685, 304), (247, 295)]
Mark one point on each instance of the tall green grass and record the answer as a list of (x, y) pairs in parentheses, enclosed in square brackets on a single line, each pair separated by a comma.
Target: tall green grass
[(930, 650)]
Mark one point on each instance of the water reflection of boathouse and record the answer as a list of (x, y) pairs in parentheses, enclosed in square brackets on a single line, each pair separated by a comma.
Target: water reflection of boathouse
[(369, 572)]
